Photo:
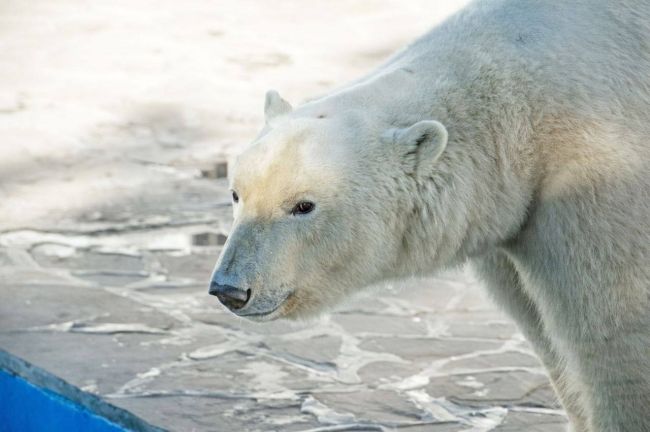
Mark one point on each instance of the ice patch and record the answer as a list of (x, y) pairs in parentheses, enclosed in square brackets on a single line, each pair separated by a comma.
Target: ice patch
[(323, 413), (267, 380), (470, 382), (488, 419), (211, 351), (433, 407), (100, 328)]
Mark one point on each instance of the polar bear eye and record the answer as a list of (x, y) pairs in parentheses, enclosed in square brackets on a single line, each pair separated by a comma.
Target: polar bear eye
[(235, 197), (303, 207)]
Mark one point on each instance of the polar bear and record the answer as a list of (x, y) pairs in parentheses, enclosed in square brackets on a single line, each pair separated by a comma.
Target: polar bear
[(514, 136)]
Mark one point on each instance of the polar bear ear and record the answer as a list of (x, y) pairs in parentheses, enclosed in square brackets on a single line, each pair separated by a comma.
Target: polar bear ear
[(421, 144), (275, 106)]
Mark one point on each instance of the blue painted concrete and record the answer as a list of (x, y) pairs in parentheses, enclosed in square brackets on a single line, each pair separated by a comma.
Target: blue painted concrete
[(27, 408)]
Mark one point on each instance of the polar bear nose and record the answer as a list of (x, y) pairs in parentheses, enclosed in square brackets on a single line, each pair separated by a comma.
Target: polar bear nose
[(232, 297)]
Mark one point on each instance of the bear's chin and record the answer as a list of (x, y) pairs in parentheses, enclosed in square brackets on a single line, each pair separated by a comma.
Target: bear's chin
[(295, 308)]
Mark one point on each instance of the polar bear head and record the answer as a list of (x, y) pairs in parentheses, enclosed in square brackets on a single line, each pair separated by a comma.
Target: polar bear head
[(319, 202)]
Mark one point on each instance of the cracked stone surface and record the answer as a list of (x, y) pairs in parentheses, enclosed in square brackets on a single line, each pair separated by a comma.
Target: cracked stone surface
[(113, 210)]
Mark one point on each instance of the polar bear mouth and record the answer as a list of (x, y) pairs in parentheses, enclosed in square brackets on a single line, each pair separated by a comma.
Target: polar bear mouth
[(269, 315)]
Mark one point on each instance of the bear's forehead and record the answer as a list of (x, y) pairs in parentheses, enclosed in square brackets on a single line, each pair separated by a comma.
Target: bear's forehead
[(289, 161)]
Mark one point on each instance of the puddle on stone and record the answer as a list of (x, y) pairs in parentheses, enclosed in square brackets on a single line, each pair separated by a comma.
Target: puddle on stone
[(215, 171), (209, 239)]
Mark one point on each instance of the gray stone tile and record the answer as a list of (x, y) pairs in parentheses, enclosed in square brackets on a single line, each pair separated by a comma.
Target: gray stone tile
[(52, 255), (32, 306), (215, 414), (517, 421), (425, 349), (319, 351), (494, 361), (100, 363), (378, 324), (488, 388), (380, 406), (382, 372), (197, 267)]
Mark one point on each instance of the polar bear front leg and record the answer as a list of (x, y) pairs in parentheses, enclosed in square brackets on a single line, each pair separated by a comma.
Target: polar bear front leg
[(504, 285), (588, 275)]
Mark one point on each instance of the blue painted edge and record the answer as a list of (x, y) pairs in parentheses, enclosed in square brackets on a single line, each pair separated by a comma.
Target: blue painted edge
[(27, 408), (13, 366)]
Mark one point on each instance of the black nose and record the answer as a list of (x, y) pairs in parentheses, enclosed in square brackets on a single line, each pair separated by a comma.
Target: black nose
[(233, 298)]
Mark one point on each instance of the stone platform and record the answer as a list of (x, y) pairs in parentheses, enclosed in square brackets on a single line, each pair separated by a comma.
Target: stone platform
[(122, 312)]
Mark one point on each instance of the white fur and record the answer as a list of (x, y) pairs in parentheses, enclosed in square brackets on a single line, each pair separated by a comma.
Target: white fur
[(540, 176)]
